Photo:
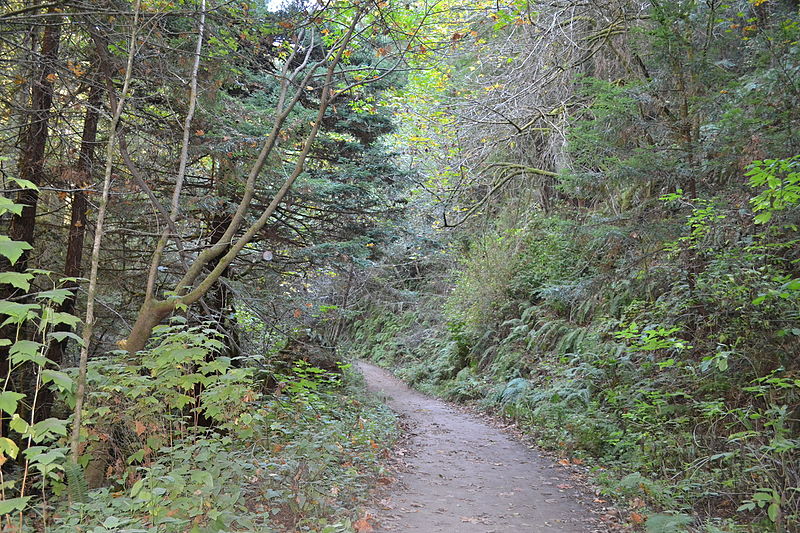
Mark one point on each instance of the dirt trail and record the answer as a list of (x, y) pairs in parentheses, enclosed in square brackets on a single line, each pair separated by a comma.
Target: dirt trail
[(464, 475)]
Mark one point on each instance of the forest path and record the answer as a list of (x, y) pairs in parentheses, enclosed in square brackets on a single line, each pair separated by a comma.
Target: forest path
[(463, 475)]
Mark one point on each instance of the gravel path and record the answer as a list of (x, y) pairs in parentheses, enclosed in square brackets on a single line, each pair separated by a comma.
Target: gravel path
[(463, 475)]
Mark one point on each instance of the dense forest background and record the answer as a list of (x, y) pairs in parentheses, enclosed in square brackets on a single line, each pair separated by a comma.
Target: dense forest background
[(581, 215)]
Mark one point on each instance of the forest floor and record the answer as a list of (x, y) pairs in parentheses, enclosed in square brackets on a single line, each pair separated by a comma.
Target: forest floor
[(459, 473)]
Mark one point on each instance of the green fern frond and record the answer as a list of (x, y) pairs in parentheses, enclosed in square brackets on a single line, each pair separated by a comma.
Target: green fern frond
[(77, 487)]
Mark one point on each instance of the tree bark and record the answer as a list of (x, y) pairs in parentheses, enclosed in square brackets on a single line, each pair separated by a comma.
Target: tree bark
[(77, 227), (33, 142), (80, 393), (220, 299), (34, 139)]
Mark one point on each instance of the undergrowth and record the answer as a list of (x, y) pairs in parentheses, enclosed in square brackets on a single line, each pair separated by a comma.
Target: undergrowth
[(182, 439), (684, 399)]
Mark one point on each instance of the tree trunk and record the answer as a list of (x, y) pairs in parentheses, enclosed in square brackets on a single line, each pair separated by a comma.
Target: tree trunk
[(83, 363), (34, 139), (77, 232), (220, 300), (339, 326), (150, 315), (77, 227)]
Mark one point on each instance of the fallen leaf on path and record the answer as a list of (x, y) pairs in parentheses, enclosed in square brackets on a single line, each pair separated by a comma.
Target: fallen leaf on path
[(637, 518), (362, 526)]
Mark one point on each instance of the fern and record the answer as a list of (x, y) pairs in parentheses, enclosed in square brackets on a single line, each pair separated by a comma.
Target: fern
[(528, 314), (77, 488), (517, 333), (511, 323), (547, 335), (583, 310), (514, 391), (571, 341)]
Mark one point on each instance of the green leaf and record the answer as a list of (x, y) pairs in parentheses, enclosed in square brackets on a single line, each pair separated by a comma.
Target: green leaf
[(668, 523), (20, 280), (136, 457), (112, 522), (49, 427), (9, 400), (55, 295), (25, 350), (14, 504), (59, 336), (12, 250), (25, 184), (772, 511), (34, 451), (203, 477), (7, 205), (9, 447), (181, 401), (62, 381), (49, 457), (57, 317), (18, 424), (763, 217), (137, 488), (17, 312), (793, 285)]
